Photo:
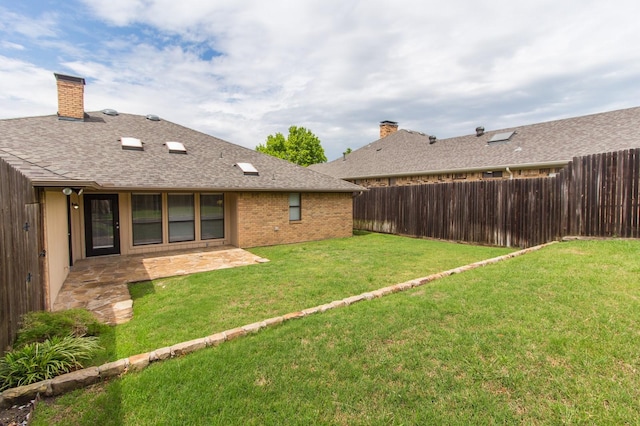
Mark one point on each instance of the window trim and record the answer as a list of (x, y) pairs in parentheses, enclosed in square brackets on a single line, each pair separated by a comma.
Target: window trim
[(293, 207), (133, 222), (201, 220), (192, 220)]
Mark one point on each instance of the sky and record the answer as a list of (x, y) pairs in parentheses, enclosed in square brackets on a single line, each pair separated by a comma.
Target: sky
[(245, 69)]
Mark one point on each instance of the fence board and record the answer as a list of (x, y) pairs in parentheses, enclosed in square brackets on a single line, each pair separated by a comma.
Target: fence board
[(595, 195), (20, 244)]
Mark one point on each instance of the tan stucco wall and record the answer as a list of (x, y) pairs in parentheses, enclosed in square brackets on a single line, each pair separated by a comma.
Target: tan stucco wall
[(263, 218), (57, 242)]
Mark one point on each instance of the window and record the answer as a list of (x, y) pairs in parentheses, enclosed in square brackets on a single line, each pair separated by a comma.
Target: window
[(501, 137), (147, 219), (294, 206), (211, 216), (490, 175), (176, 147), (181, 217), (248, 169)]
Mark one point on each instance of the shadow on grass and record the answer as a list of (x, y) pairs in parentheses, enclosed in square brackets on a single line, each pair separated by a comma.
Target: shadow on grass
[(140, 289)]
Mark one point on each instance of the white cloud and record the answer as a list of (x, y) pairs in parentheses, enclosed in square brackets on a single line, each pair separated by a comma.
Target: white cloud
[(339, 67), (11, 46), (25, 90), (42, 26)]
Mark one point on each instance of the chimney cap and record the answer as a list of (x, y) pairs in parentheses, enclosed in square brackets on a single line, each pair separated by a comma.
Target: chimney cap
[(70, 78), (393, 123)]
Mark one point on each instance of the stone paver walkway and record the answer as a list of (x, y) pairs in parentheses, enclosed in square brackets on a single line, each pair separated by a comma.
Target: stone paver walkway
[(99, 284)]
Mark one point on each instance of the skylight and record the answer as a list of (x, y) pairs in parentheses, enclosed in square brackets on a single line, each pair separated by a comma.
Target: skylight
[(133, 144), (248, 169), (501, 137), (176, 147)]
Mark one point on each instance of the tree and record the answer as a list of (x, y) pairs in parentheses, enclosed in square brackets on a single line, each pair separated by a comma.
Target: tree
[(301, 147)]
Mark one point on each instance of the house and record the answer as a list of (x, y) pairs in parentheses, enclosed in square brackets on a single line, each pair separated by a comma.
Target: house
[(405, 157), (77, 184)]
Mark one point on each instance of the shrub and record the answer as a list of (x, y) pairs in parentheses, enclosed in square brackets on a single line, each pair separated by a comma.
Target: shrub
[(44, 360), (40, 326)]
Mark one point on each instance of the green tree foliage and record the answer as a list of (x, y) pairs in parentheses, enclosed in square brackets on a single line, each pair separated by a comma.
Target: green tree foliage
[(301, 147)]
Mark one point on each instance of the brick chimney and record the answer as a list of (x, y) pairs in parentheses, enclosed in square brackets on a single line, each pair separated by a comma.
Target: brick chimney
[(70, 97), (387, 128)]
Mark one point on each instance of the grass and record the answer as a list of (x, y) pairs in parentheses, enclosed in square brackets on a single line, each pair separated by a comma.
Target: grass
[(298, 276), (547, 338)]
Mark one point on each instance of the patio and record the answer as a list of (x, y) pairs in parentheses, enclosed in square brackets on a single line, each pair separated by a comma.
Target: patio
[(99, 284)]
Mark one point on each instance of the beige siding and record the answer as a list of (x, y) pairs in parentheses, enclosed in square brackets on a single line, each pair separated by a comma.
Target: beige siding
[(57, 242)]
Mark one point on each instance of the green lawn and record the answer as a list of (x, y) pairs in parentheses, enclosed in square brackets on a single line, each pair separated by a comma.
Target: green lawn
[(547, 338), (298, 276)]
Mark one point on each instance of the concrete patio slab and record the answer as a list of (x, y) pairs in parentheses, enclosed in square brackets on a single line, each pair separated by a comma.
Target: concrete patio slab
[(99, 284)]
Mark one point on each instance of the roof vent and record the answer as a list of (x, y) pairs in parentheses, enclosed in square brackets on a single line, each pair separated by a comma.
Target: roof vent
[(247, 168), (111, 112), (432, 139), (132, 144), (153, 117), (501, 137), (479, 131), (176, 147)]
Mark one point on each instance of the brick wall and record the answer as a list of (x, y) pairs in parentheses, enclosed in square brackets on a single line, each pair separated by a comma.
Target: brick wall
[(70, 99), (455, 177), (387, 128), (263, 218)]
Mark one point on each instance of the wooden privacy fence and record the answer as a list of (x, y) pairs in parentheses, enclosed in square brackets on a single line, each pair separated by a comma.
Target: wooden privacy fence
[(21, 288), (595, 195)]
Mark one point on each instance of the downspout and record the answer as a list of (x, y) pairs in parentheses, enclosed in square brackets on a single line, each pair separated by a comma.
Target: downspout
[(510, 173)]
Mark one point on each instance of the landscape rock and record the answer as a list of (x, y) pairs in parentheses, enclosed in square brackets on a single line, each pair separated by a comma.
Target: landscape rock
[(74, 380), (138, 362), (188, 347), (215, 339), (353, 299), (114, 368), (23, 393), (311, 311), (234, 333), (255, 327), (160, 354), (273, 321), (293, 315)]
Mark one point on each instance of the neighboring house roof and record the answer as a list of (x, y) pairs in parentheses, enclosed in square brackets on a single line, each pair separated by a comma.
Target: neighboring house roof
[(54, 152), (554, 143)]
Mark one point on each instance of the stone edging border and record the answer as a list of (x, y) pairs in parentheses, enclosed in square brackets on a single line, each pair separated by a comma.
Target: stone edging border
[(88, 376)]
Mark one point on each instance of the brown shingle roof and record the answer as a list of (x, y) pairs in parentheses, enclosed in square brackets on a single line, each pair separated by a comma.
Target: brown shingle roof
[(554, 142), (50, 151)]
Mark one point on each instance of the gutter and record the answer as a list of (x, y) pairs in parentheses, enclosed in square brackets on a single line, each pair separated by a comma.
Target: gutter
[(113, 188), (463, 170)]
